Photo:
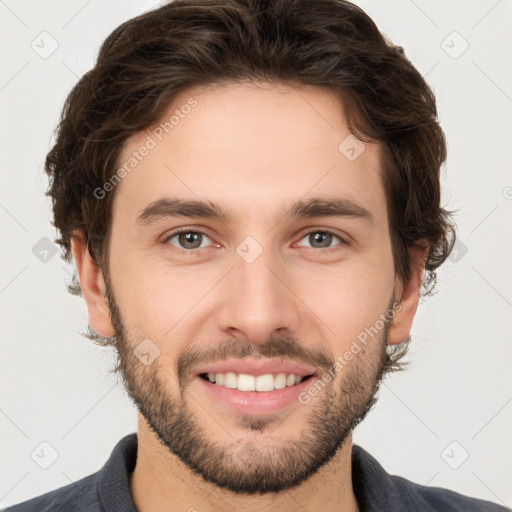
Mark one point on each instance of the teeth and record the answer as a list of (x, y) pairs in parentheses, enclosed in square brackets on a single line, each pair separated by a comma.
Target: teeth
[(265, 382), (245, 382), (280, 381), (230, 380)]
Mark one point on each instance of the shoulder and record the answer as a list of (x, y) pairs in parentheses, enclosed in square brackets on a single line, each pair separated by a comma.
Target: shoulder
[(107, 489), (377, 490), (80, 496), (441, 499)]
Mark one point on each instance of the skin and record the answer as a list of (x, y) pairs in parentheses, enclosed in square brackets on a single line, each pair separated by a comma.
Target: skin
[(252, 149)]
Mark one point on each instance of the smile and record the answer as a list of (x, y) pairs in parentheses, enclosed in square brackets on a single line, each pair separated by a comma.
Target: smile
[(246, 382)]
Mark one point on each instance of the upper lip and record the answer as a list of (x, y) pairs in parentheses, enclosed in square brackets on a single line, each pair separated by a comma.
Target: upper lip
[(256, 367)]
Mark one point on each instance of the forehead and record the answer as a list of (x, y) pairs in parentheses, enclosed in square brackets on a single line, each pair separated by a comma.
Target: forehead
[(249, 146)]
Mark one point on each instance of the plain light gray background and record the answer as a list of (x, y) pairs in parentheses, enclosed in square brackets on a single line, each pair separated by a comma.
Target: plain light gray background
[(455, 400)]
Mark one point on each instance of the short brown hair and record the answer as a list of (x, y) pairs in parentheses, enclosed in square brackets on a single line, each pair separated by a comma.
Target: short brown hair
[(150, 59)]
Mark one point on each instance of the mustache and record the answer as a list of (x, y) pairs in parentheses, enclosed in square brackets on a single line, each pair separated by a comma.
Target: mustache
[(282, 347)]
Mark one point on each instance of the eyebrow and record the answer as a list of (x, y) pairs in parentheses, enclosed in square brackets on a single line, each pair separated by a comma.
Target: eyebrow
[(315, 207)]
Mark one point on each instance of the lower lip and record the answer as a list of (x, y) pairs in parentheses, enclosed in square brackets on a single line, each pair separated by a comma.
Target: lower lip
[(256, 402)]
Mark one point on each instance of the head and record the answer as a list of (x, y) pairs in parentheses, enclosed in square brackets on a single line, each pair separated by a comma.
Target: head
[(299, 153)]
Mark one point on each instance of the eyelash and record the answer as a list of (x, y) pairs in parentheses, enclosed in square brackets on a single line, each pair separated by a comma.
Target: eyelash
[(193, 251)]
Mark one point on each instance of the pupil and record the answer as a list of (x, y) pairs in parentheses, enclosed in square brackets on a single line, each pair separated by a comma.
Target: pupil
[(189, 237), (322, 237)]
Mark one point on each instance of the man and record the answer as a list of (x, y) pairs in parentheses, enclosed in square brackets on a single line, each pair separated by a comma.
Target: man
[(250, 193)]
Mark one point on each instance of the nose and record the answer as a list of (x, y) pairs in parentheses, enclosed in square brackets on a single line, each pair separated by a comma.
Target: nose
[(258, 300)]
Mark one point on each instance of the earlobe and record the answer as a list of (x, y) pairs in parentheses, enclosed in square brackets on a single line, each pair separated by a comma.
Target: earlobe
[(408, 299), (93, 286)]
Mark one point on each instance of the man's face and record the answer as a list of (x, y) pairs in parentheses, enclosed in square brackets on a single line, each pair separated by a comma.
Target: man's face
[(282, 293)]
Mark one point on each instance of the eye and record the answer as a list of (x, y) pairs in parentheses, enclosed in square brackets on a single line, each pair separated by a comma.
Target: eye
[(321, 239), (187, 239)]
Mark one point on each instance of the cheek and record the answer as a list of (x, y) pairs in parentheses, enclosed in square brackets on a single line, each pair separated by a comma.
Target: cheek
[(155, 299), (345, 306), (348, 298)]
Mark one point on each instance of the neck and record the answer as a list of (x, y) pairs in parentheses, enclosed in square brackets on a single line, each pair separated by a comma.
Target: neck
[(160, 478)]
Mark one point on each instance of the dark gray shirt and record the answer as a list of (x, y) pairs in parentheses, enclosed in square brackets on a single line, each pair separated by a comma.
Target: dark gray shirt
[(108, 490)]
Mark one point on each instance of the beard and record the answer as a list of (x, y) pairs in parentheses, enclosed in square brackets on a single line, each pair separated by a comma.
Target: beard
[(251, 467)]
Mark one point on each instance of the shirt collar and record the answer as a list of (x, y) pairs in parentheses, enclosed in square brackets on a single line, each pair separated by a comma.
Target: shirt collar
[(373, 486), (113, 485)]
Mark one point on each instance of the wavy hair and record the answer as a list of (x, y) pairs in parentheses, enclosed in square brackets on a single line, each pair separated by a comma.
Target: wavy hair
[(147, 61)]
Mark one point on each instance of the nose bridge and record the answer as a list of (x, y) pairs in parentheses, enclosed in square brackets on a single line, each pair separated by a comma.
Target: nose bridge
[(257, 302)]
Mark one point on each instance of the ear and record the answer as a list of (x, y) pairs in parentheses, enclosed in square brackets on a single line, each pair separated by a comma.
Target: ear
[(408, 297), (93, 286)]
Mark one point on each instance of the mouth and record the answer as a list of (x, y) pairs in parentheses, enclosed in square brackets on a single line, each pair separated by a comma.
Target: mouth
[(254, 386), (261, 383), (249, 394)]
